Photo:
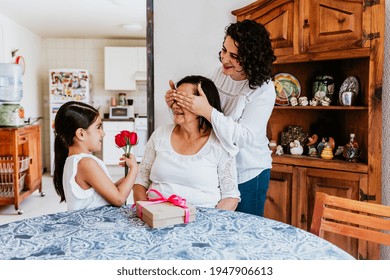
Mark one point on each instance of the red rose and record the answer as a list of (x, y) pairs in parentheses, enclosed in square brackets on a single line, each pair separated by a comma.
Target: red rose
[(126, 138), (133, 138), (126, 134), (120, 141)]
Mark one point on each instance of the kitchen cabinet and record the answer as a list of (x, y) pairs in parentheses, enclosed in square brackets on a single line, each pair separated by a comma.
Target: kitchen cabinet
[(342, 39), (352, 185), (334, 25), (303, 26), (17, 144), (111, 153), (280, 18), (122, 66), (278, 202)]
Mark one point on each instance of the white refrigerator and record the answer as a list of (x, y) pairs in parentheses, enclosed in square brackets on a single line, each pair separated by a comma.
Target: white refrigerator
[(66, 85)]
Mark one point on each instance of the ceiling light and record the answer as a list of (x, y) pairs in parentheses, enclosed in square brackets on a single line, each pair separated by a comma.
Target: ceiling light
[(132, 27)]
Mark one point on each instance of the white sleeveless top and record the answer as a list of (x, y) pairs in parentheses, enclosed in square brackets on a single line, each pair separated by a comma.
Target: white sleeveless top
[(76, 197)]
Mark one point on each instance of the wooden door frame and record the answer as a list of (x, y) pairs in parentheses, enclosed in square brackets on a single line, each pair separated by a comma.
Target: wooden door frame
[(150, 65)]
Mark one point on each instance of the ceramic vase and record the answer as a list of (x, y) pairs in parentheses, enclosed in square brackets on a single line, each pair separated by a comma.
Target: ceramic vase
[(327, 153), (349, 91)]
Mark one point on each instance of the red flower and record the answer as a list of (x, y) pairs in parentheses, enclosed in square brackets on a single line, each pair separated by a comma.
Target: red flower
[(133, 138), (126, 139), (120, 141)]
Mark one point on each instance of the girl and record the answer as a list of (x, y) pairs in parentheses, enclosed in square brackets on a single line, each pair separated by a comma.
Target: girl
[(80, 178)]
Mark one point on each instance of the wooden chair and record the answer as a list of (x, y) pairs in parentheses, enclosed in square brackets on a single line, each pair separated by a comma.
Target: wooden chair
[(351, 218)]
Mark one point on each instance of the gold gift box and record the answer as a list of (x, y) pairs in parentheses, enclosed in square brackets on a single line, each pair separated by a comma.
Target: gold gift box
[(163, 214)]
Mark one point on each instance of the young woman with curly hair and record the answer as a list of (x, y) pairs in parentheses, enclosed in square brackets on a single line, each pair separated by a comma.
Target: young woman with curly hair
[(247, 95)]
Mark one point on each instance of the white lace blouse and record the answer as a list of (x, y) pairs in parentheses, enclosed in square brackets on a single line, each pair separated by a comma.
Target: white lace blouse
[(202, 179)]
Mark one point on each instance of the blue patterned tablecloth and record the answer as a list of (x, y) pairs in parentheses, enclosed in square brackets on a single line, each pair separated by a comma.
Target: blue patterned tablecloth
[(116, 233)]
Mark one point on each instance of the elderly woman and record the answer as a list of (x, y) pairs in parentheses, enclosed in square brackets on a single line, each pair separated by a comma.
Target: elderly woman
[(187, 159)]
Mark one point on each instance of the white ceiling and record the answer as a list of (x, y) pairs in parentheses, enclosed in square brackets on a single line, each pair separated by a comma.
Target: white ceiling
[(78, 18)]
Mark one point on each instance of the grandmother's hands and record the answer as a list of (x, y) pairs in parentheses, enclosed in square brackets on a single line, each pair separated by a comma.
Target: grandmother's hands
[(198, 105), (228, 203)]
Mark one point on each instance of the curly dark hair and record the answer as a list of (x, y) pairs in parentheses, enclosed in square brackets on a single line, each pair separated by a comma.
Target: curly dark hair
[(255, 53)]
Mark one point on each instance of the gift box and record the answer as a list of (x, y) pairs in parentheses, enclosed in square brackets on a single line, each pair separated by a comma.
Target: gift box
[(163, 213)]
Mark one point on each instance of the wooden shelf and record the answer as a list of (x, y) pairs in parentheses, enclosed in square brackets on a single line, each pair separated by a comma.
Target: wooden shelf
[(316, 162), (339, 108), (321, 56)]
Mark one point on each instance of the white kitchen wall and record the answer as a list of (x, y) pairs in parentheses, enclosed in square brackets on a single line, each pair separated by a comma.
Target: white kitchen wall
[(13, 36), (85, 54), (188, 36), (188, 43)]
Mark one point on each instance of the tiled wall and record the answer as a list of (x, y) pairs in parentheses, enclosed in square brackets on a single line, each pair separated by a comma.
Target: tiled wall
[(84, 54)]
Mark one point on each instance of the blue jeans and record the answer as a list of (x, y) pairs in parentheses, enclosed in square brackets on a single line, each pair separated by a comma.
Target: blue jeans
[(253, 194)]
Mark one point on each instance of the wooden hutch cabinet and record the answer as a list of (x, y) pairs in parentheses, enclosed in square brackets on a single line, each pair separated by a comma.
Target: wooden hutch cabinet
[(19, 178), (340, 38)]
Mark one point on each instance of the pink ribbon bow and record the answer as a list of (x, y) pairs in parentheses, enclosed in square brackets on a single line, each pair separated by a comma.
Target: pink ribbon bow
[(174, 199)]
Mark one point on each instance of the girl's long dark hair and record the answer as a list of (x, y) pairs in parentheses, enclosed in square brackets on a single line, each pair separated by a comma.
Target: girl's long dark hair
[(70, 117), (210, 91)]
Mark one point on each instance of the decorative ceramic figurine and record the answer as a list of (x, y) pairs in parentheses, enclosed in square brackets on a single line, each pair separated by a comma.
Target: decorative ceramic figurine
[(321, 146), (311, 145), (296, 148), (272, 145), (279, 150), (293, 133), (348, 91), (303, 101), (293, 101), (312, 151), (339, 151), (351, 151), (331, 143), (313, 102), (312, 140), (323, 86), (327, 152), (325, 101)]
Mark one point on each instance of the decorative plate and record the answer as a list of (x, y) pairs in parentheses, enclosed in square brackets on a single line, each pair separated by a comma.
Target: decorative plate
[(286, 86)]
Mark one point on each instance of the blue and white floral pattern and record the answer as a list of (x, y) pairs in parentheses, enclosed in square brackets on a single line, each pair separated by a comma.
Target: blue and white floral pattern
[(117, 233)]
